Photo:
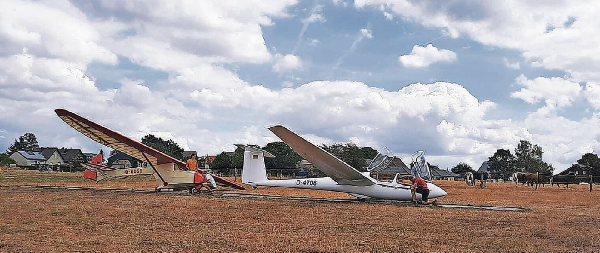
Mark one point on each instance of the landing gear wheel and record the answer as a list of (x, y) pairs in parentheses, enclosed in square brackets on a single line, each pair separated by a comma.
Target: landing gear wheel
[(194, 191)]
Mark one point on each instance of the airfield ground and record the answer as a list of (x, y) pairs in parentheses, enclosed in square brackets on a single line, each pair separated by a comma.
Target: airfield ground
[(58, 220)]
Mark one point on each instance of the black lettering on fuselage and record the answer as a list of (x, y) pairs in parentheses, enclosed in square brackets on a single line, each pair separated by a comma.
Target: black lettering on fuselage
[(306, 182)]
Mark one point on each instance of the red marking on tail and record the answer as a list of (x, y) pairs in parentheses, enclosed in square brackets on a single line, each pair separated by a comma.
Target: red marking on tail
[(87, 174), (97, 159)]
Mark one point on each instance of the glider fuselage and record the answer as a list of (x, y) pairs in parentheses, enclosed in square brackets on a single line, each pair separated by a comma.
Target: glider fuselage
[(379, 190)]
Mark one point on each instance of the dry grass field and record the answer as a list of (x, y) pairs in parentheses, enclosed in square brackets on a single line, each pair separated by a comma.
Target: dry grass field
[(46, 220)]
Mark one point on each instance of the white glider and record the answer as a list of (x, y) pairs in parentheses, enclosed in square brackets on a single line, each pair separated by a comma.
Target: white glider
[(341, 176)]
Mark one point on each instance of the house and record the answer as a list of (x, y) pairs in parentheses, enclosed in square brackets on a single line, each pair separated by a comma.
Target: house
[(580, 170), (52, 156), (187, 154), (439, 174), (89, 156), (73, 157), (396, 166), (121, 160), (54, 159), (205, 163), (28, 158)]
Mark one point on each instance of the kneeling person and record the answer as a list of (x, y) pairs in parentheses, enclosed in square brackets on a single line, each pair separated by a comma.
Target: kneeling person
[(420, 186)]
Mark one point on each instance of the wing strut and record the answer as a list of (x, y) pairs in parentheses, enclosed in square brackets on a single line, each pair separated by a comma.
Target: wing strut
[(155, 170)]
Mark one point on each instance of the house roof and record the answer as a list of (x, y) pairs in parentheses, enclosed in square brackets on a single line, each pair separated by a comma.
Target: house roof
[(483, 167), (121, 156), (575, 167), (32, 155), (47, 152), (443, 173), (71, 154), (188, 154), (397, 162), (396, 169), (397, 166)]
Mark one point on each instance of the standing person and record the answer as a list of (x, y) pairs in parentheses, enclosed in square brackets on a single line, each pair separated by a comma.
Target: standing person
[(420, 186), (192, 163)]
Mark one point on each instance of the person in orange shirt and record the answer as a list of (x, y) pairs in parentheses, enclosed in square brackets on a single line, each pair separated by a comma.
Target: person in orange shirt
[(192, 163)]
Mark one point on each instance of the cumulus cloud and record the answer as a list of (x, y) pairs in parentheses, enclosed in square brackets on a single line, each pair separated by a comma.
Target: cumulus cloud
[(193, 44), (421, 57), (339, 2), (592, 93), (555, 91), (572, 45), (43, 68), (25, 26), (181, 34), (515, 65), (287, 63)]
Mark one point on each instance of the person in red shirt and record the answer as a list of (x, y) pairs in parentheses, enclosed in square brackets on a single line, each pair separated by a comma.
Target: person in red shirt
[(420, 186)]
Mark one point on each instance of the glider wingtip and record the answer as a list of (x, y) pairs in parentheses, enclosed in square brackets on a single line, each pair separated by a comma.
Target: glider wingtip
[(60, 111), (276, 126)]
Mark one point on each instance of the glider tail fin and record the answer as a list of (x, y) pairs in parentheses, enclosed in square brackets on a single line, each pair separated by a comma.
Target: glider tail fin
[(98, 159), (254, 170)]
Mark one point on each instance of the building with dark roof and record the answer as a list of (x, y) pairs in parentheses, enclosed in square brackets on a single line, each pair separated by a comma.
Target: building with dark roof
[(52, 156), (121, 160), (187, 154), (439, 174), (580, 170), (73, 157), (28, 158), (397, 166)]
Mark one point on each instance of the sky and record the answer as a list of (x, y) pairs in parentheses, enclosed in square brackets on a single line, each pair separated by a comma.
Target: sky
[(458, 79)]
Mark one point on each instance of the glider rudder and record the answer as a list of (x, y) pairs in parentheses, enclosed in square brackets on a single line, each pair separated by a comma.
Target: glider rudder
[(254, 170)]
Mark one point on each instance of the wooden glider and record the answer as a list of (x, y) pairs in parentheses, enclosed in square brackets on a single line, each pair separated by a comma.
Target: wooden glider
[(169, 172)]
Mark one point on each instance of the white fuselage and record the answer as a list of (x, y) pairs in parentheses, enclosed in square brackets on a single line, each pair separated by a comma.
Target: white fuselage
[(380, 190), (254, 174)]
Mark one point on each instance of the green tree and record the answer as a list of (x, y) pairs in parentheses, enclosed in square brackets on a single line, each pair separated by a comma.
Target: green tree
[(351, 154), (285, 157), (168, 147), (529, 158), (222, 162), (368, 152), (591, 160), (461, 168), (502, 164), (5, 159), (26, 142), (237, 160)]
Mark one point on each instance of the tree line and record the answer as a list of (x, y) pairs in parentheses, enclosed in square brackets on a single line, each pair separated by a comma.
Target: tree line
[(26, 142), (527, 157), (287, 158)]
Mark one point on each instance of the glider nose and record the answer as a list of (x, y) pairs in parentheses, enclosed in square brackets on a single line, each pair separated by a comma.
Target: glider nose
[(436, 192)]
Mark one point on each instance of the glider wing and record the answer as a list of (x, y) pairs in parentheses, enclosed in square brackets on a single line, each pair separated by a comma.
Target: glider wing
[(332, 166)]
